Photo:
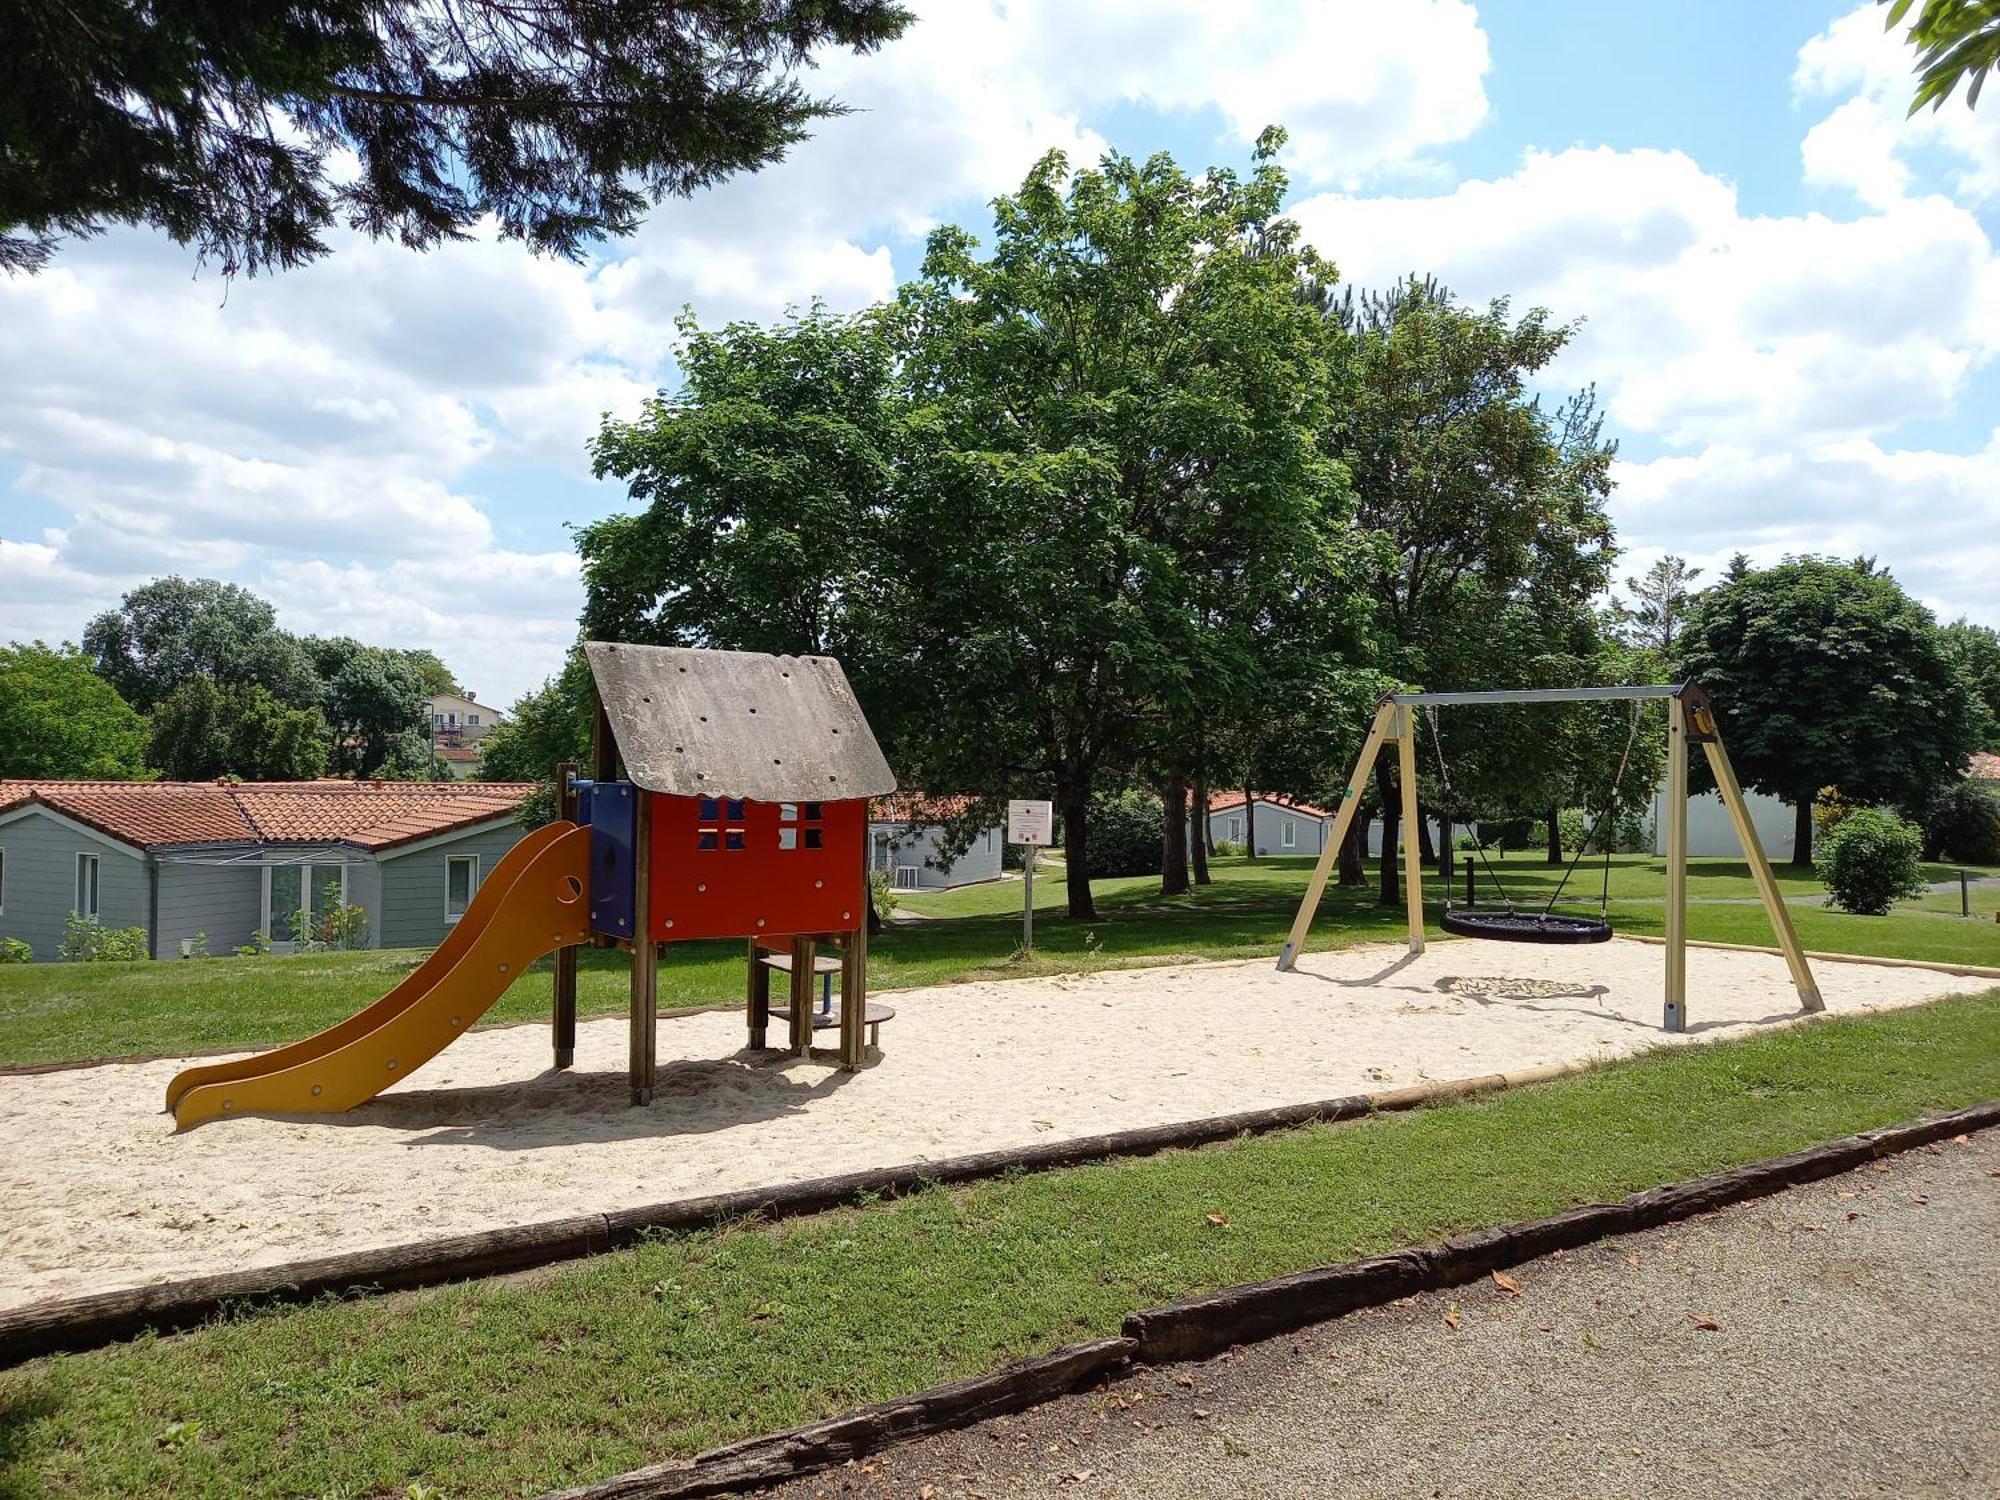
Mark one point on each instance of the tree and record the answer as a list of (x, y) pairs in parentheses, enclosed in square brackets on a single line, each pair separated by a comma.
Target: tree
[(231, 126), (1481, 506), (1117, 405), (174, 629), (1955, 40), (202, 731), (376, 706), (1659, 600), (1978, 648), (1825, 673), (60, 721), (764, 482), (543, 728), (436, 676)]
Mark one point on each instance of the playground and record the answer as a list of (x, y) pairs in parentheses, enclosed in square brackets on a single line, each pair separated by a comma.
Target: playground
[(489, 1135)]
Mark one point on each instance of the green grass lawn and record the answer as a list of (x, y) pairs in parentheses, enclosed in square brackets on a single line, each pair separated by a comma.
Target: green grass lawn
[(55, 1012), (519, 1385)]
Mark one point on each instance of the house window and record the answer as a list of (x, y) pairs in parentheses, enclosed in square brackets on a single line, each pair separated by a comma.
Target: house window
[(472, 721), (437, 721), (1235, 830), (1288, 834), (461, 879), (299, 897), (86, 885)]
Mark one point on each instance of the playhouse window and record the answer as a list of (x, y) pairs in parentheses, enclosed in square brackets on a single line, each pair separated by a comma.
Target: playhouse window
[(814, 811), (710, 809), (788, 812), (812, 838)]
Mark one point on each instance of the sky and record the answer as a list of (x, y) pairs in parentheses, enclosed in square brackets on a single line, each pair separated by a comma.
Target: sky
[(1787, 296)]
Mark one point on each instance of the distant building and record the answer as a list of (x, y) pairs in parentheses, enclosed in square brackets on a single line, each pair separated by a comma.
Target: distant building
[(458, 724), (230, 861), (1282, 824), (906, 831)]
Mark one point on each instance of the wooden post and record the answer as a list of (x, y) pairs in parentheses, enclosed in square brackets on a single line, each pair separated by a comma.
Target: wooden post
[(1350, 800), (803, 951), (854, 997), (1675, 1018), (1760, 868), (1413, 843), (758, 997), (645, 954), (563, 1022)]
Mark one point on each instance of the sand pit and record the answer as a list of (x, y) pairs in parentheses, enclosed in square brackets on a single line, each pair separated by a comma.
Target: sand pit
[(98, 1192)]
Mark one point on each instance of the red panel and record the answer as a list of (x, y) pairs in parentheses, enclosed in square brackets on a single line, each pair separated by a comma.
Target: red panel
[(727, 868)]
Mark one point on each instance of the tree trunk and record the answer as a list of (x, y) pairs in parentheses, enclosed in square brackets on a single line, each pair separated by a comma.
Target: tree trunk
[(1202, 849), (1249, 823), (1353, 850), (1076, 851), (1426, 850), (1385, 787), (1802, 834), (1555, 836), (1174, 837)]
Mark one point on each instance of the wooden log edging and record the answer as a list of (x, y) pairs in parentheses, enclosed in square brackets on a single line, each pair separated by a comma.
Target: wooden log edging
[(1199, 1327), (778, 1456), (77, 1323), (1868, 960)]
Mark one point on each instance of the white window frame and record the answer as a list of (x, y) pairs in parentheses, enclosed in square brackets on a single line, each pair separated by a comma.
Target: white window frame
[(305, 897), (94, 907), (471, 889), (1288, 834), (472, 721), (1235, 830), (3, 879)]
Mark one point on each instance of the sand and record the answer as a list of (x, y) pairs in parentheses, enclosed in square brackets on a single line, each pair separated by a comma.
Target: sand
[(97, 1191)]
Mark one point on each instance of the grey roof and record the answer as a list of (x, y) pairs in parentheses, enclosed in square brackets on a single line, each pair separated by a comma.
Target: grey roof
[(737, 724)]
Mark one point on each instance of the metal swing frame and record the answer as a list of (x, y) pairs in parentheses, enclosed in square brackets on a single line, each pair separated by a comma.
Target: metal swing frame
[(1690, 720)]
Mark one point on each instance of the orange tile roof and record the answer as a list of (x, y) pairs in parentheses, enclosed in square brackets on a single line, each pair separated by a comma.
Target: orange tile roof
[(366, 814), (1228, 801), (915, 807)]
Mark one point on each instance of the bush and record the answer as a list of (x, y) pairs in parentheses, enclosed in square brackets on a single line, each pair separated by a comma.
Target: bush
[(1962, 823), (1870, 861), (882, 890), (1124, 834), (258, 947), (87, 940), (1226, 849), (16, 951)]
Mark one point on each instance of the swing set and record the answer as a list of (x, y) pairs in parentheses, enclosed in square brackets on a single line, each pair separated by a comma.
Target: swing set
[(1690, 720)]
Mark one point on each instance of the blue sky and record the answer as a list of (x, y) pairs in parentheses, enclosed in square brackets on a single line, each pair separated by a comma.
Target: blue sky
[(1790, 295)]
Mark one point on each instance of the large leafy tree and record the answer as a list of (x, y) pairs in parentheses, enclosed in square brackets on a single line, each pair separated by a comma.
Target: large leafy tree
[(1978, 648), (174, 629), (1825, 673), (1117, 404), (201, 731), (1484, 509), (377, 705), (60, 720), (765, 481), (1957, 41), (248, 130)]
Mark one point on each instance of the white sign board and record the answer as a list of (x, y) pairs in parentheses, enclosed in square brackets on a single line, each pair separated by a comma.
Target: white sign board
[(1030, 822)]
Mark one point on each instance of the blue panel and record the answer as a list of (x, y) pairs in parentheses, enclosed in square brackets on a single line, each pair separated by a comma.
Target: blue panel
[(583, 787), (614, 807)]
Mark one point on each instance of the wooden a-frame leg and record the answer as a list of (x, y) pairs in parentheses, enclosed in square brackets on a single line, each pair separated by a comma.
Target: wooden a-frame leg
[(1760, 872), (1350, 801), (1675, 1017), (1413, 834)]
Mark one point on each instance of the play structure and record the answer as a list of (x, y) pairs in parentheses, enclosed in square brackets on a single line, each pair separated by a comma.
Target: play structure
[(1690, 720), (728, 799)]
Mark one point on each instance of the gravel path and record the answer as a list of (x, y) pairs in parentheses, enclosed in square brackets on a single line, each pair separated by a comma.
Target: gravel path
[(1840, 1340)]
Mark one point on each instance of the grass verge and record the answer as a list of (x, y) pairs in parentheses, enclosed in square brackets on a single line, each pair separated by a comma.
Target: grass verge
[(693, 1339), (62, 1012)]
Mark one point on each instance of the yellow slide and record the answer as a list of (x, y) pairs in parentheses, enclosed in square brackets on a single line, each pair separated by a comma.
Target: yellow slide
[(533, 903)]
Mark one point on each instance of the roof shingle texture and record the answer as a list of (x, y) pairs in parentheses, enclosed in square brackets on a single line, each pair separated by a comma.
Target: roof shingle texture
[(366, 814)]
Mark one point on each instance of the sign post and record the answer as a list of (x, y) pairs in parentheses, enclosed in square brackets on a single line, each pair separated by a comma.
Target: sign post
[(1031, 824)]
